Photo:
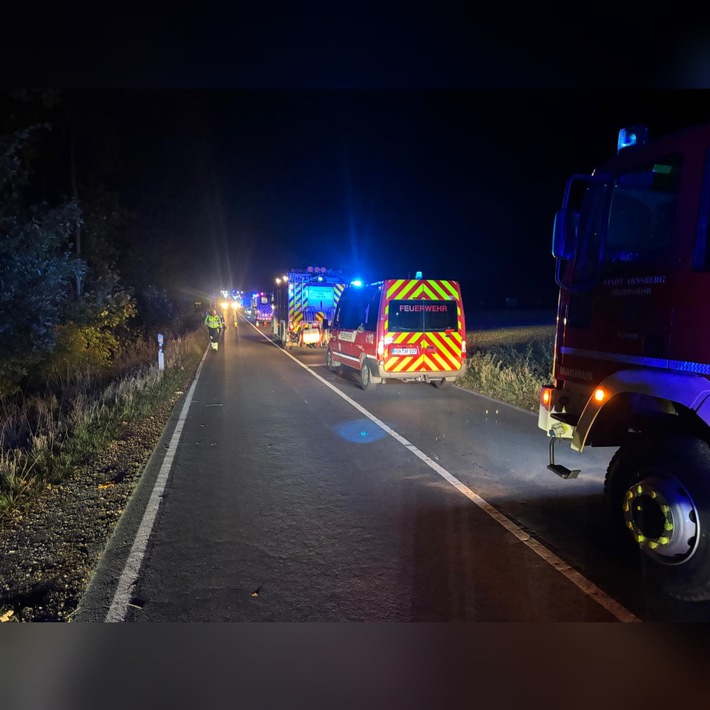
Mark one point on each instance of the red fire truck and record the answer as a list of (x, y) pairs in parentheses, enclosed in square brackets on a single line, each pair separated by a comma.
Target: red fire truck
[(632, 351), (304, 304)]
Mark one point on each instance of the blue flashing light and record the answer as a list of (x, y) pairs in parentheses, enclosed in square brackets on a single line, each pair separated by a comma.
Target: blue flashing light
[(418, 275), (357, 283), (631, 136)]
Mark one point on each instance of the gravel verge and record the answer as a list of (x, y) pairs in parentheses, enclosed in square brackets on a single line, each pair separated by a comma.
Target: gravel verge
[(50, 546)]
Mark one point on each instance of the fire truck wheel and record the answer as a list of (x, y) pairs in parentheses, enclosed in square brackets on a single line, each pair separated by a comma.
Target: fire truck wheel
[(366, 377), (658, 493)]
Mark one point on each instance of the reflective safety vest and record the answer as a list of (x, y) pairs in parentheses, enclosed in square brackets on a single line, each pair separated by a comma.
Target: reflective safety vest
[(213, 321)]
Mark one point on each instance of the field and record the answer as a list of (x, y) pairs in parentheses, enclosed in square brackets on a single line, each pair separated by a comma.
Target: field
[(510, 362)]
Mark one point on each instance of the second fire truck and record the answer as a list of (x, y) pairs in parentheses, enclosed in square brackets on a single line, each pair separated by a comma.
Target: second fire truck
[(304, 304)]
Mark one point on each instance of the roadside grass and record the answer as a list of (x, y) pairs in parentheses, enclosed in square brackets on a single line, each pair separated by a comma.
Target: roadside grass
[(510, 364), (43, 440)]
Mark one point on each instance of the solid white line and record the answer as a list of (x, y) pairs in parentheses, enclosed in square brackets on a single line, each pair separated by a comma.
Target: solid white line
[(122, 596), (603, 599)]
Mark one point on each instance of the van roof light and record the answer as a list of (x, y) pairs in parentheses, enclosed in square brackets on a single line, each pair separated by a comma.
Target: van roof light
[(418, 275), (630, 136)]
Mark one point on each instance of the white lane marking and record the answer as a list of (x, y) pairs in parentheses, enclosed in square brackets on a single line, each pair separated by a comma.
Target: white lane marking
[(579, 580), (129, 575)]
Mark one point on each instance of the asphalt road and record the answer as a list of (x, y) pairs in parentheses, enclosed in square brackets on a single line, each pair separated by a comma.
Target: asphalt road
[(283, 492)]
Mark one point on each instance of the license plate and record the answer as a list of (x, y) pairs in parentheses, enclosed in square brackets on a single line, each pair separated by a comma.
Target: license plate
[(404, 351)]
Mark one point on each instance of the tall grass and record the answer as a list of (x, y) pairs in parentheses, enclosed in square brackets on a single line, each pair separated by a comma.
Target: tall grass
[(43, 439), (510, 364)]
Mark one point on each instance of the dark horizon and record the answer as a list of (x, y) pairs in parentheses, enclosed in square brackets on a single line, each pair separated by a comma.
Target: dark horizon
[(380, 184), (239, 172)]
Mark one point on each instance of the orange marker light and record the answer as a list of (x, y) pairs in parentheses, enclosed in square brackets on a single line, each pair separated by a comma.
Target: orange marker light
[(546, 394), (599, 395)]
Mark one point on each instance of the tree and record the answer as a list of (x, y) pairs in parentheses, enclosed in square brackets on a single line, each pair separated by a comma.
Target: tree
[(37, 266)]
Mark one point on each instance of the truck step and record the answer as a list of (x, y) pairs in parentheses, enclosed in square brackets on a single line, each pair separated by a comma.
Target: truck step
[(563, 471)]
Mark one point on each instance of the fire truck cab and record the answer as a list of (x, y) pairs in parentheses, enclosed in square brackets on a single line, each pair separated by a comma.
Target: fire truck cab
[(631, 364)]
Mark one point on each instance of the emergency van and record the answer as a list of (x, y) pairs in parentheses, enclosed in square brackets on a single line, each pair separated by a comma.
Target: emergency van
[(400, 329)]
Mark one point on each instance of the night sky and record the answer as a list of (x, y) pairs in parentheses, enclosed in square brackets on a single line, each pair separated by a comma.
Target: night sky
[(444, 151), (459, 184)]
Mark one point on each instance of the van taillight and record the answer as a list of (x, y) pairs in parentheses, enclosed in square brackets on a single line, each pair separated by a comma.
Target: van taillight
[(380, 349)]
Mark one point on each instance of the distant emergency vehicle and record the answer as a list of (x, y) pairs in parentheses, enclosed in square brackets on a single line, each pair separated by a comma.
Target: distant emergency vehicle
[(632, 350), (262, 307), (403, 329)]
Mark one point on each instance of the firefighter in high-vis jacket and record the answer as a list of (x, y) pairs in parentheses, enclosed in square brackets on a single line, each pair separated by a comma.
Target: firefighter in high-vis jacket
[(214, 328)]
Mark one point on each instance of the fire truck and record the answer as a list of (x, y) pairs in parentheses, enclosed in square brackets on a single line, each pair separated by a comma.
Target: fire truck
[(631, 366), (262, 307), (304, 304)]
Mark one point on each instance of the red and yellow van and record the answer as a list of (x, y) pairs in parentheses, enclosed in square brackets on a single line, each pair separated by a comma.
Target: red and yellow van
[(400, 329)]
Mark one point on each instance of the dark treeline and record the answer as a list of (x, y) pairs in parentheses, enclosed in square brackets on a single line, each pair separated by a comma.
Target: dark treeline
[(83, 277)]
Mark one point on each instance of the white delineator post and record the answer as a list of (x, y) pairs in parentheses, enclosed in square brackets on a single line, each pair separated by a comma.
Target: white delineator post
[(161, 355)]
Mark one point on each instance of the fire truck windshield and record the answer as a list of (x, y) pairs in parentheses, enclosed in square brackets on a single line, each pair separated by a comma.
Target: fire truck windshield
[(626, 220)]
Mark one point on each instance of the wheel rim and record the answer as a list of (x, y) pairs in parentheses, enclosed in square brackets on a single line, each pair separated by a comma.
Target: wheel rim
[(663, 519), (365, 374), (328, 359)]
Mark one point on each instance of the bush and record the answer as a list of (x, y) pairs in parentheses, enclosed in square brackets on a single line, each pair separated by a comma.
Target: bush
[(81, 348)]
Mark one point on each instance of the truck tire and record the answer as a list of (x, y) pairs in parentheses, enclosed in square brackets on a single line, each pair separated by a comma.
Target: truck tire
[(366, 377), (657, 491)]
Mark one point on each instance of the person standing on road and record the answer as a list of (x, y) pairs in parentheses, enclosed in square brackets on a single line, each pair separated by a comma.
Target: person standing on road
[(214, 328)]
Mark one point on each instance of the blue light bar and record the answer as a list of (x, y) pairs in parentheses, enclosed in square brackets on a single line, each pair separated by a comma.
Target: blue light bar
[(631, 136)]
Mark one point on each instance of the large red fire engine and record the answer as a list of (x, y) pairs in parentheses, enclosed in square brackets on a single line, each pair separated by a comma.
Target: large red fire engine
[(304, 304), (632, 350)]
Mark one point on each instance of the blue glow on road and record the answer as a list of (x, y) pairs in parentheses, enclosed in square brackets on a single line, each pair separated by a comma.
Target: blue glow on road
[(359, 431)]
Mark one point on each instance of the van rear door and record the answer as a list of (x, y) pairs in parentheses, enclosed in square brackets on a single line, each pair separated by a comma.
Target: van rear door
[(355, 325), (424, 326)]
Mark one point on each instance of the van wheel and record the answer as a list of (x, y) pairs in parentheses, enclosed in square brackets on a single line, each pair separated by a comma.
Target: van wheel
[(441, 383), (329, 361), (366, 377)]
